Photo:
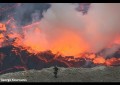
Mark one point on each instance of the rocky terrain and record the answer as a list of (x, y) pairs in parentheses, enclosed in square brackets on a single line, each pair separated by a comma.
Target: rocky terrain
[(95, 74)]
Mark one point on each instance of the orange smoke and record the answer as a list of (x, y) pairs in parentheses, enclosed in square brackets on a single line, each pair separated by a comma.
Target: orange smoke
[(35, 41), (69, 44), (1, 35)]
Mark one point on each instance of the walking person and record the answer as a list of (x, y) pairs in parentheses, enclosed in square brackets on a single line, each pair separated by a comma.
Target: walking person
[(55, 71)]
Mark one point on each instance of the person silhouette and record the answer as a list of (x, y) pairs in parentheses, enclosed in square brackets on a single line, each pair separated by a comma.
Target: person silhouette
[(55, 71)]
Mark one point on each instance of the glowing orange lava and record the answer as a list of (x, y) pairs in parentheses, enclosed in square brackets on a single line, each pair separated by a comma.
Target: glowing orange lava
[(35, 41), (1, 39), (99, 60), (112, 61), (69, 44), (2, 27)]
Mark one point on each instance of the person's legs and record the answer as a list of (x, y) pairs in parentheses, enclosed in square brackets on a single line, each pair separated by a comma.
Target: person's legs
[(55, 75)]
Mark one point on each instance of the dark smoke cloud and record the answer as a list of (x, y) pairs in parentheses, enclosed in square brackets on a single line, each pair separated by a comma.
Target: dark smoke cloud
[(98, 27)]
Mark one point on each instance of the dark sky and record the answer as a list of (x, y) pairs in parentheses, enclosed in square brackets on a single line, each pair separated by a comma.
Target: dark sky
[(22, 11)]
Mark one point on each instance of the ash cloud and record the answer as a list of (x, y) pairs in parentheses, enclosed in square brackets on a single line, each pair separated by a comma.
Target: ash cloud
[(103, 26), (99, 27)]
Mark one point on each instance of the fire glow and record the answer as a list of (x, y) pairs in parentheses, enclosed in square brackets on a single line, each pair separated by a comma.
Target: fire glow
[(68, 44)]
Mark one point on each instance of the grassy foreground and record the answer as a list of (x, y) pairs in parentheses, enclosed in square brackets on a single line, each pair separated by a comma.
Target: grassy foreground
[(95, 74)]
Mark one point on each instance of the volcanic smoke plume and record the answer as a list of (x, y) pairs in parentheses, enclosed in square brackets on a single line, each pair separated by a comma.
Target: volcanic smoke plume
[(69, 33)]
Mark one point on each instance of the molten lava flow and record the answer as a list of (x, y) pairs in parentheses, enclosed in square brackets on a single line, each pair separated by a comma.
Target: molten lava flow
[(67, 44), (99, 60), (112, 61), (92, 56), (2, 30), (18, 40), (88, 55), (68, 47), (13, 35), (2, 27), (1, 39)]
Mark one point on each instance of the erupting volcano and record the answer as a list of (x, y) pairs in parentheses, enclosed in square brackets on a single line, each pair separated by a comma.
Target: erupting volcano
[(63, 36)]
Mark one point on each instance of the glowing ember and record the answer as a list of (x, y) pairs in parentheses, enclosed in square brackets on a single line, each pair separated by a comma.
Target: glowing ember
[(112, 61), (1, 39), (99, 60), (2, 27)]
